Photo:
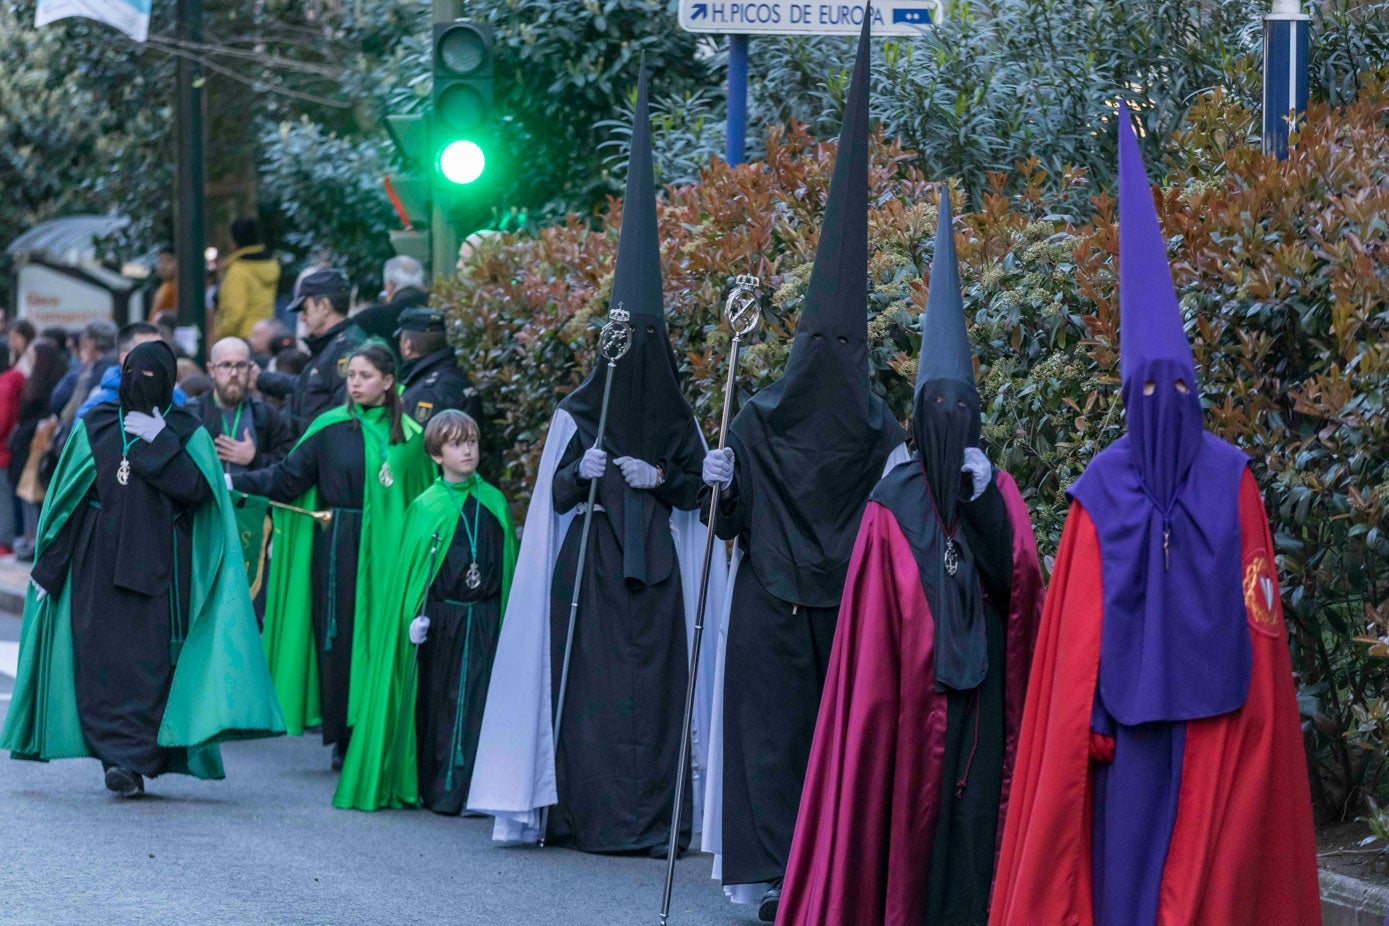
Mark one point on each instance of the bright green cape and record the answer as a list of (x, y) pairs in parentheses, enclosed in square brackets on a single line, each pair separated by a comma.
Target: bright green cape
[(375, 774), (288, 634), (221, 689)]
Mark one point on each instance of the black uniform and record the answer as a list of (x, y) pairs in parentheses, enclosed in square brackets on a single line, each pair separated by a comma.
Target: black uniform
[(269, 428), (435, 383), (321, 385), (332, 460)]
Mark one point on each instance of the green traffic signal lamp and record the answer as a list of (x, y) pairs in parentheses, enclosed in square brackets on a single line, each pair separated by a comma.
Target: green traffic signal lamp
[(462, 161)]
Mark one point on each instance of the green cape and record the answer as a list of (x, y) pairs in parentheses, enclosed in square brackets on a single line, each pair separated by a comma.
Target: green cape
[(288, 634), (375, 774), (221, 689)]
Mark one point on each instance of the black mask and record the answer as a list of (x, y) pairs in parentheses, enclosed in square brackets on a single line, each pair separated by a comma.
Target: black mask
[(945, 421), (148, 377)]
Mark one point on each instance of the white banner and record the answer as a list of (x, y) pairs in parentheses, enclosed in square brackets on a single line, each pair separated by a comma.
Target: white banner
[(129, 16)]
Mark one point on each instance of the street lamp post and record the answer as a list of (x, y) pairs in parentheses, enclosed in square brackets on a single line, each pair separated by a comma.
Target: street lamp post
[(1285, 73), (190, 235)]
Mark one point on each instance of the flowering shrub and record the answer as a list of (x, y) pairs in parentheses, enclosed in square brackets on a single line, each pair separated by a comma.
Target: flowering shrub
[(1282, 270)]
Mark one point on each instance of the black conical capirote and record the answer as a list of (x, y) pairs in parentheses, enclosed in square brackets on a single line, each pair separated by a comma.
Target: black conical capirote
[(945, 350), (637, 277), (811, 446), (648, 415)]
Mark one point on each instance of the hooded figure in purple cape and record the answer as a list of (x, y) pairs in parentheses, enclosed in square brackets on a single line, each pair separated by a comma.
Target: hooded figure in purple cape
[(1161, 768), (909, 776)]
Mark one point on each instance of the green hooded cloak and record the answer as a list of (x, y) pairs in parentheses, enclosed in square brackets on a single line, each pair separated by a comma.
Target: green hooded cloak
[(288, 634), (220, 689), (377, 772)]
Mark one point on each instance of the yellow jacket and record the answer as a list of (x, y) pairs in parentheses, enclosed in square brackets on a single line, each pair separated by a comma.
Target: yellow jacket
[(247, 293)]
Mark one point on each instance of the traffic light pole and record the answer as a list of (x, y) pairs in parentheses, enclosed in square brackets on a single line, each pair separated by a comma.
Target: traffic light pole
[(443, 241), (191, 238)]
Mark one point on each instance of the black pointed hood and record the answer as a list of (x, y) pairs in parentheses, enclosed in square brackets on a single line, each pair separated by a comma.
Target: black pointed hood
[(945, 420), (946, 410), (648, 414), (945, 349), (813, 444)]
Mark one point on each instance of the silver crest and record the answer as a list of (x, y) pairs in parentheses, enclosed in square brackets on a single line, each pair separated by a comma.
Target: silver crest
[(742, 308), (123, 472), (616, 338), (952, 557)]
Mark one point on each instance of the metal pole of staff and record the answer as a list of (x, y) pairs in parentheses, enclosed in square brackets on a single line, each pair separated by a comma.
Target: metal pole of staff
[(404, 717), (742, 312), (613, 343)]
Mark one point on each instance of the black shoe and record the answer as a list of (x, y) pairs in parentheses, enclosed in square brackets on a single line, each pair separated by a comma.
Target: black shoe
[(124, 782), (339, 753), (766, 911)]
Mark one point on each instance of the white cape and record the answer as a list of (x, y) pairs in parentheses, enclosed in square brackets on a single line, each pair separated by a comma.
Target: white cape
[(712, 824), (514, 778)]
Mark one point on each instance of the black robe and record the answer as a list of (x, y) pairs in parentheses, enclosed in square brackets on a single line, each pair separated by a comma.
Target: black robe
[(332, 460), (768, 716), (456, 662), (620, 741), (129, 549)]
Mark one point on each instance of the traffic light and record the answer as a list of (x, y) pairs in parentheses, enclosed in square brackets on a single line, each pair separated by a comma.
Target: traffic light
[(463, 99)]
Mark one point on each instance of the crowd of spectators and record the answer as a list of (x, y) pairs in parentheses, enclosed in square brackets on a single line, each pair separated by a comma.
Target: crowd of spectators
[(280, 379)]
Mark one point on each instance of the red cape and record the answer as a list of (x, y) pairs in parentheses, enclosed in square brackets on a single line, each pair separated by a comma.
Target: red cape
[(872, 791), (1242, 849)]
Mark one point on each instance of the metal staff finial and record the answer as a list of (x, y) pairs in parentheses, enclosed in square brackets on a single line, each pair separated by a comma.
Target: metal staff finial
[(742, 310)]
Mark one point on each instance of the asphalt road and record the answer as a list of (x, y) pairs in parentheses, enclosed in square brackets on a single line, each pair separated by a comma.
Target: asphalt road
[(265, 846)]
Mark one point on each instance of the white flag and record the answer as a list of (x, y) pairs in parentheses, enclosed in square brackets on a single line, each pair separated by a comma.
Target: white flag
[(129, 16)]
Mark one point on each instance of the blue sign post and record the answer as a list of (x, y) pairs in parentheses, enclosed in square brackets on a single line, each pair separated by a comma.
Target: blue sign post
[(1285, 73)]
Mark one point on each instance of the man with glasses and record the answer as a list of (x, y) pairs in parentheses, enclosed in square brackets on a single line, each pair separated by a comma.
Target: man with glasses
[(248, 433)]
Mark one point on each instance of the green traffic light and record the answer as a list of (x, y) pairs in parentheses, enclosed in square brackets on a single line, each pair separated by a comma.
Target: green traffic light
[(461, 162)]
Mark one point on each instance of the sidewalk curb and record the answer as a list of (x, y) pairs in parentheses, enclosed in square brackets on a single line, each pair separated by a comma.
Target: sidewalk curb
[(1347, 901)]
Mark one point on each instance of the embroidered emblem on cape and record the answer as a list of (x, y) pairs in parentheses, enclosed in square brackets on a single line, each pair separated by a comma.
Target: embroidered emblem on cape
[(1260, 593)]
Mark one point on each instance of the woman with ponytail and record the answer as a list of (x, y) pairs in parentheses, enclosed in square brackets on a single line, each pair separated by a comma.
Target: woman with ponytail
[(362, 463)]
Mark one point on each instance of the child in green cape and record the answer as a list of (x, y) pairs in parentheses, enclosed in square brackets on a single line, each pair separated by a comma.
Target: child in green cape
[(445, 602)]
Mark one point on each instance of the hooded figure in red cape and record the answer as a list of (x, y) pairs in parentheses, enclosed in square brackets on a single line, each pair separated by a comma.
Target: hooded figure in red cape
[(1161, 775), (909, 772)]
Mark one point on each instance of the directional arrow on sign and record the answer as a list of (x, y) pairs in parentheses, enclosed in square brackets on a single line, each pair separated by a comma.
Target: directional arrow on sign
[(699, 11)]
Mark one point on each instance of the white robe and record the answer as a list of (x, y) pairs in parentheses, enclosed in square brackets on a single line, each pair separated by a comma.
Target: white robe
[(514, 776)]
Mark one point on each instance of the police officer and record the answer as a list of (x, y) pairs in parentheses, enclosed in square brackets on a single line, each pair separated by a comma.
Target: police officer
[(322, 299), (433, 379)]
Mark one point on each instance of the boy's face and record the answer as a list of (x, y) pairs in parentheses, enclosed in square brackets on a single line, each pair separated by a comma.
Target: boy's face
[(459, 456)]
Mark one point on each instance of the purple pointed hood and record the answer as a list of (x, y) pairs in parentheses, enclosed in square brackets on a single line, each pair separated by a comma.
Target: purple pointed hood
[(1164, 499)]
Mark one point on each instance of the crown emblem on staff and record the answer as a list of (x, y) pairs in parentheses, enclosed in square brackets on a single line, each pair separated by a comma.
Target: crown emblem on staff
[(618, 314)]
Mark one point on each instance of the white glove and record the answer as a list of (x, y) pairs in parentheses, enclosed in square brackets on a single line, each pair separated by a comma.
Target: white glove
[(593, 464), (638, 473), (718, 468), (40, 593), (144, 426), (980, 470), (419, 630)]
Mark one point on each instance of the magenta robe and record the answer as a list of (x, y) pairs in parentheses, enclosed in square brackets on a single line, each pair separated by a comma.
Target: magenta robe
[(872, 793)]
